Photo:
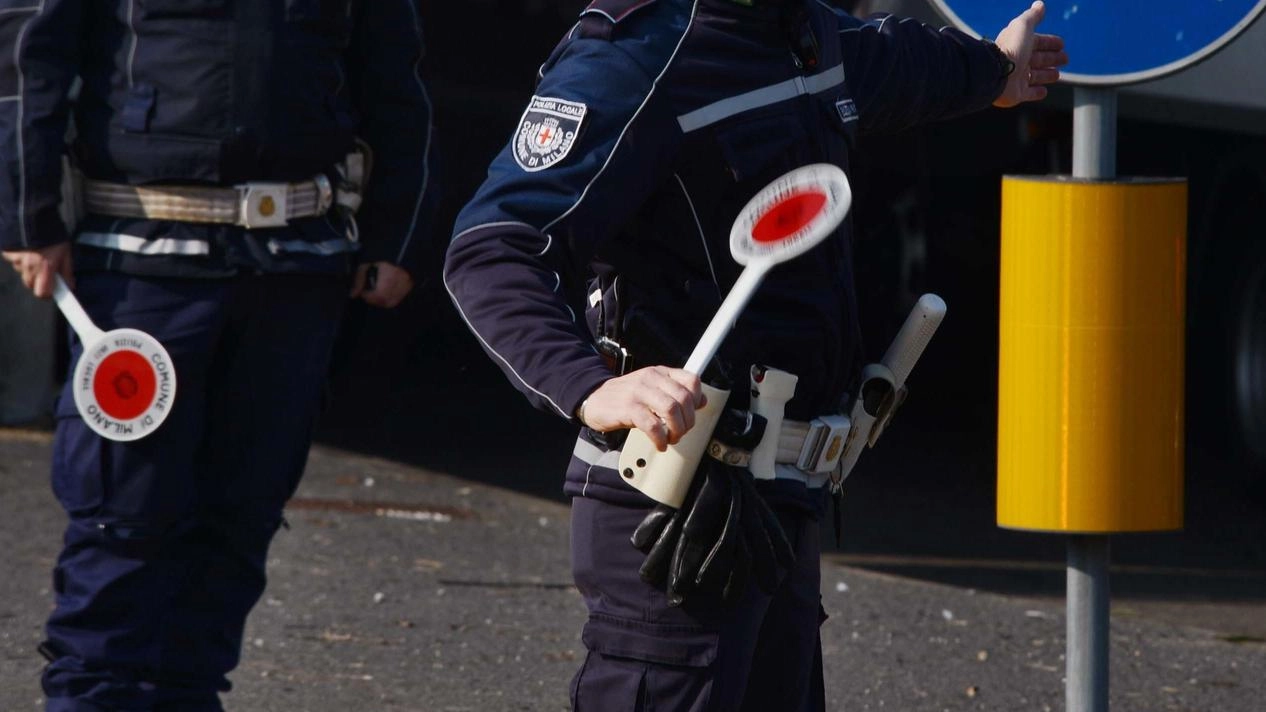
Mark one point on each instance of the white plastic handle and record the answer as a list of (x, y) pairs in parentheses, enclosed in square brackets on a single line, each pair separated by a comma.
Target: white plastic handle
[(823, 179), (74, 313), (665, 477), (728, 313)]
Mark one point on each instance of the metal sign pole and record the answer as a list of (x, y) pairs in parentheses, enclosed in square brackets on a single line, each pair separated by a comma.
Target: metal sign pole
[(1094, 133), (1086, 670), (1086, 686)]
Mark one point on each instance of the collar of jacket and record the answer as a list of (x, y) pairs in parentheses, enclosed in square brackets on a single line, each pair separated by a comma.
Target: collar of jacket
[(772, 15)]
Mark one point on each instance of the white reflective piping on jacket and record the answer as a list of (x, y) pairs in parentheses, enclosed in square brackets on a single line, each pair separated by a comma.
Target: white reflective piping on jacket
[(503, 223), (430, 129), (540, 71), (141, 246), (703, 239), (880, 26), (326, 248), (17, 64), (549, 240), (694, 8), (546, 229), (488, 347), (604, 13), (131, 28), (592, 456), (765, 96)]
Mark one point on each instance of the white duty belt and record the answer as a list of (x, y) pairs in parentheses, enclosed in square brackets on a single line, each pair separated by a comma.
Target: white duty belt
[(249, 205), (257, 204), (807, 452), (815, 452), (811, 449), (813, 446)]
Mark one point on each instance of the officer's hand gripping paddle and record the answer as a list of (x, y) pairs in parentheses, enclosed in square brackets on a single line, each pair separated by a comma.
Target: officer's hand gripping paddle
[(124, 382), (784, 220)]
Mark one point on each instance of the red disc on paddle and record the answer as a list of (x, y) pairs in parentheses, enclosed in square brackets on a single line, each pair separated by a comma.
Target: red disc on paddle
[(789, 215), (124, 384)]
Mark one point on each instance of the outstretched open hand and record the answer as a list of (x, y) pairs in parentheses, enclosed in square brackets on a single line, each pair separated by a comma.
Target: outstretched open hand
[(1037, 57)]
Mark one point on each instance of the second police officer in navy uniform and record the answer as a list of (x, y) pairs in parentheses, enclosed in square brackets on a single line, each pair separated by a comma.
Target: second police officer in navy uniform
[(228, 211), (597, 250)]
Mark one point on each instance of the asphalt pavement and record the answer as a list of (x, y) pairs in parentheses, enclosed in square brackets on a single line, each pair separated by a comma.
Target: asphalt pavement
[(403, 588)]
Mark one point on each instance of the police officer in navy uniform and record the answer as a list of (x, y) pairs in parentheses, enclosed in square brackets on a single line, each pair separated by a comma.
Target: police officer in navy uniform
[(245, 165), (596, 252)]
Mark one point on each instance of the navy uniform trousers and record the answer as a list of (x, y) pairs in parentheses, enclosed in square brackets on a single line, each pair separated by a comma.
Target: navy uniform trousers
[(762, 654), (164, 554)]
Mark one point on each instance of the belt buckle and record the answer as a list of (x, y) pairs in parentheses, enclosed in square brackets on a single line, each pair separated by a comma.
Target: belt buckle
[(263, 205), (824, 444)]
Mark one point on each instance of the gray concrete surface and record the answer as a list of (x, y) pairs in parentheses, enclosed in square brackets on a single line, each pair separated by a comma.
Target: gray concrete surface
[(398, 588)]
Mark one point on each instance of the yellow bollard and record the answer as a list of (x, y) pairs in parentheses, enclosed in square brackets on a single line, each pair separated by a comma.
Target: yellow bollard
[(1090, 378)]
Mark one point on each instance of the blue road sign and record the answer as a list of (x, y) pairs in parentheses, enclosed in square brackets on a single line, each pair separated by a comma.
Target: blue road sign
[(1114, 42)]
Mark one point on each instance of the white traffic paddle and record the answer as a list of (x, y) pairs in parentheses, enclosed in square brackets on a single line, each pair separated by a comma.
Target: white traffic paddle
[(124, 383), (784, 220)]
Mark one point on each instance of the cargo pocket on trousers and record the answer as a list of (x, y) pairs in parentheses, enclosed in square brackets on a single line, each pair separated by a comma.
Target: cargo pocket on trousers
[(637, 666), (79, 463)]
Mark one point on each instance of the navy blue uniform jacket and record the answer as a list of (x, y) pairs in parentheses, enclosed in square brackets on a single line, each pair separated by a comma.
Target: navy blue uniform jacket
[(653, 123), (214, 92)]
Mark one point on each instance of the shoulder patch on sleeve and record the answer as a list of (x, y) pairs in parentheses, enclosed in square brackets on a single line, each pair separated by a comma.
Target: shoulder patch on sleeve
[(547, 132)]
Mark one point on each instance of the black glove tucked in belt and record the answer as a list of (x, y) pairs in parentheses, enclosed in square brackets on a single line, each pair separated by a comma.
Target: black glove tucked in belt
[(723, 535)]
